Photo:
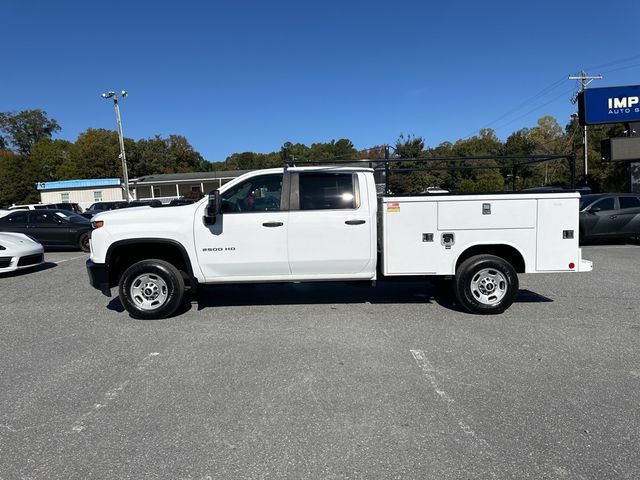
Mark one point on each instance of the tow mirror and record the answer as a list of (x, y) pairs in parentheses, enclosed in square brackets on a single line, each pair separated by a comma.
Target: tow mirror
[(212, 209)]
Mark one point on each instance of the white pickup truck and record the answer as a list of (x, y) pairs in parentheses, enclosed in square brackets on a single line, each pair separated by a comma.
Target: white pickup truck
[(329, 224)]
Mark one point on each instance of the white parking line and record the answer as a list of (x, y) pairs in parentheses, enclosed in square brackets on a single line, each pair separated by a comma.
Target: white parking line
[(69, 259), (112, 394), (430, 374)]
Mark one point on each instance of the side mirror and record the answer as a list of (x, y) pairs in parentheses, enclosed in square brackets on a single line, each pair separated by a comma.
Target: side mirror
[(594, 210), (212, 209)]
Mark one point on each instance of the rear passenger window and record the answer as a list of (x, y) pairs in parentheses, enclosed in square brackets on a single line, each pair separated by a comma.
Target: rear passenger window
[(327, 191), (629, 202)]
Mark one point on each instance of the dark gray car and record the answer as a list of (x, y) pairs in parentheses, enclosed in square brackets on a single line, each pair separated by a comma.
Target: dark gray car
[(609, 216)]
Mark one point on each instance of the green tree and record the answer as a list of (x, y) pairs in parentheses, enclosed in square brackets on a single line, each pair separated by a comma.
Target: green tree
[(26, 128), (96, 154), (183, 157), (519, 143), (18, 181), (49, 156), (548, 138), (409, 146)]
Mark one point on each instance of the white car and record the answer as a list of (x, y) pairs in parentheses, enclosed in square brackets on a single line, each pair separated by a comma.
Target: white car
[(18, 251), (29, 206)]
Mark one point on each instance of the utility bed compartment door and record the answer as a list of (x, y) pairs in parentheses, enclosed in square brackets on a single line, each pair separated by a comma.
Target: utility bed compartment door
[(406, 252), (486, 214), (556, 216)]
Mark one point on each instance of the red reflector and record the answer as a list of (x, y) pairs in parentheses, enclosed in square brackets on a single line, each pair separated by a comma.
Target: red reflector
[(572, 265)]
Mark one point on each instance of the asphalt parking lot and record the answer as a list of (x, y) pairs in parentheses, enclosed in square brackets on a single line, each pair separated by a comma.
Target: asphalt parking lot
[(328, 381)]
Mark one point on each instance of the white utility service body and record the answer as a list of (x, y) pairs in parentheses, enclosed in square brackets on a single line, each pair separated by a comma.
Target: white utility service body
[(328, 224)]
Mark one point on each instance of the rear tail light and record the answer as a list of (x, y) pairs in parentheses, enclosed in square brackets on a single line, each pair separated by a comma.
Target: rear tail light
[(97, 223)]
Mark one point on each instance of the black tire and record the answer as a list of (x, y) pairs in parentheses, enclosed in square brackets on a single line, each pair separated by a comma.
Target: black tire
[(151, 289), (486, 284), (83, 243)]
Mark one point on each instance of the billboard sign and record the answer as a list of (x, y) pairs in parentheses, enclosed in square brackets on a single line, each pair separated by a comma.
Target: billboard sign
[(621, 149), (609, 105)]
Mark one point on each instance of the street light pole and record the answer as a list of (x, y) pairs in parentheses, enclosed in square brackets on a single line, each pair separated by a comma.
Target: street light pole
[(123, 155)]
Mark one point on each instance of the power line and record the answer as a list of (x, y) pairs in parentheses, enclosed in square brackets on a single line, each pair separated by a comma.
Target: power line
[(614, 62), (623, 68), (534, 109), (548, 89)]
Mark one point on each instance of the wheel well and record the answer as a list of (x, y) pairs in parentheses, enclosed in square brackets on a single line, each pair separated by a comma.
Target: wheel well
[(506, 252), (122, 256)]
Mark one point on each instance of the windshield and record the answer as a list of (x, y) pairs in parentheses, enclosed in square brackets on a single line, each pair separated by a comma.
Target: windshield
[(72, 217)]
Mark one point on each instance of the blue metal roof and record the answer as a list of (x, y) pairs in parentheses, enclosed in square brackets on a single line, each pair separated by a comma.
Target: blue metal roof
[(84, 183)]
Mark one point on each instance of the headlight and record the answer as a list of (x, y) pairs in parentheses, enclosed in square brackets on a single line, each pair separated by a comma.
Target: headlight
[(97, 223)]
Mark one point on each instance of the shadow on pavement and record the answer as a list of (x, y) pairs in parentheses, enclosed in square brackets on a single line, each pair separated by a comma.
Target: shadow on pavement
[(39, 268), (385, 292)]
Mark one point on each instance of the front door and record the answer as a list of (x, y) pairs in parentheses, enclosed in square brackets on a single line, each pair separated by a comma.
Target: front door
[(249, 239), (607, 221), (49, 228), (330, 228)]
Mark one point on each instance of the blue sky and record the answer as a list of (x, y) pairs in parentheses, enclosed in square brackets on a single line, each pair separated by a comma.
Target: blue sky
[(237, 76)]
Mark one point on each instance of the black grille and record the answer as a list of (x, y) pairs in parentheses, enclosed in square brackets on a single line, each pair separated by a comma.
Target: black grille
[(30, 260), (4, 262)]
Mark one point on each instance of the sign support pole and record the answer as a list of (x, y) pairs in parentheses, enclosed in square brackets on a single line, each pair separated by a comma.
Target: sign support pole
[(584, 81)]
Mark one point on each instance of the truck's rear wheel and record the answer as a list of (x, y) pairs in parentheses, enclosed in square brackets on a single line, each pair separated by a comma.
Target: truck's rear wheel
[(151, 289), (486, 284)]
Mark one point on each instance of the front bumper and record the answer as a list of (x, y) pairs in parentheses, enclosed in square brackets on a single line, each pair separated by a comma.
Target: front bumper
[(99, 277)]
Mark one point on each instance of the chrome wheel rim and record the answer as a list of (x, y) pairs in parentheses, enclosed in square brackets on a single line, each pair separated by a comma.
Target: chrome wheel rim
[(148, 291), (489, 286)]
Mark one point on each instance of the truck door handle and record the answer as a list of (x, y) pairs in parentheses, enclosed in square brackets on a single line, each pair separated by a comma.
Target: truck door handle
[(355, 222), (272, 224)]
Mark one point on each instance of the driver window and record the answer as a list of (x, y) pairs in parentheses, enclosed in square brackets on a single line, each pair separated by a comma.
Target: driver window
[(257, 194), (604, 204)]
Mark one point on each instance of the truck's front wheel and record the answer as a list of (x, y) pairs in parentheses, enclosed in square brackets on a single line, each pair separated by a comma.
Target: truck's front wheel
[(151, 289), (486, 284)]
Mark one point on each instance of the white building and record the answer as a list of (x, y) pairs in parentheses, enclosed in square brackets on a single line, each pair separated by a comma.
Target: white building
[(166, 187), (163, 187), (83, 192)]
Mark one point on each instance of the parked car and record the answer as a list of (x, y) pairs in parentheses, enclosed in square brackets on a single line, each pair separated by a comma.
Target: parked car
[(72, 207), (52, 228), (29, 206), (609, 216), (143, 203), (181, 201), (18, 251), (582, 190), (98, 207)]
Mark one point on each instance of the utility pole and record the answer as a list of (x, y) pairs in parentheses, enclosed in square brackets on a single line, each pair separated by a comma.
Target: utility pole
[(123, 156), (584, 81)]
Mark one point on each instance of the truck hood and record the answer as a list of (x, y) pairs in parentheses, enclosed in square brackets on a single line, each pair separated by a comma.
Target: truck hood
[(144, 214)]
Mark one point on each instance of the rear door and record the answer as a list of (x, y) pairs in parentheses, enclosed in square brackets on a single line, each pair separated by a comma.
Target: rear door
[(330, 225), (629, 213)]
